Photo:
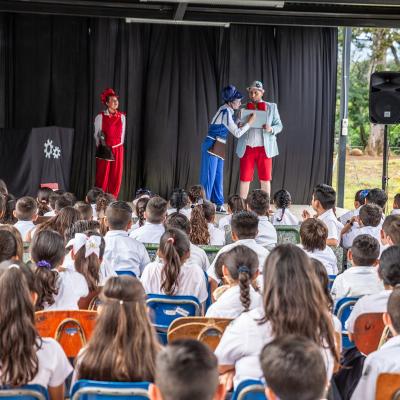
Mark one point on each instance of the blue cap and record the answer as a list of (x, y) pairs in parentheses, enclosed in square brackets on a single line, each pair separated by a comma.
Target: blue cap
[(230, 93)]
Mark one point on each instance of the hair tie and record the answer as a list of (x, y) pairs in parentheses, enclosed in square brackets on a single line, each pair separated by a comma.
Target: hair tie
[(121, 302), (44, 264), (243, 269), (13, 266), (91, 243), (171, 240)]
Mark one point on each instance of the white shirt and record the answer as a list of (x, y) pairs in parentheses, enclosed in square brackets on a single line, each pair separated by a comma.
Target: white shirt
[(262, 254), (217, 237), (124, 253), (327, 257), (334, 226), (185, 211), (349, 215), (384, 360), (191, 280), (53, 364), (224, 221), (356, 281), (395, 211), (229, 305), (71, 287), (199, 257), (51, 213), (348, 238), (228, 122), (98, 123), (242, 342), (94, 211), (373, 303), (287, 219), (148, 233), (24, 227), (266, 232)]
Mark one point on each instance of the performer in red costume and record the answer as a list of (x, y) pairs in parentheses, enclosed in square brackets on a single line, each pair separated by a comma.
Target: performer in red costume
[(112, 123)]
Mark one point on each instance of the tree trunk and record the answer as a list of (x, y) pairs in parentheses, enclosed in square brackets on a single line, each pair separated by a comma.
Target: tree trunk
[(375, 140)]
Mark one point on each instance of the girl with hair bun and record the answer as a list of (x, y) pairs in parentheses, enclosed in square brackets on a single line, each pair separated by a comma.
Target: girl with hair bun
[(173, 276), (282, 215), (239, 270)]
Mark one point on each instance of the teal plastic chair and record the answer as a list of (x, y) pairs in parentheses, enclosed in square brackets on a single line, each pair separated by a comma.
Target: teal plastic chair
[(25, 392)]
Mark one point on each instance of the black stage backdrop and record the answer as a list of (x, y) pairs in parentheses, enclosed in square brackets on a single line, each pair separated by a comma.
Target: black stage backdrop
[(53, 68)]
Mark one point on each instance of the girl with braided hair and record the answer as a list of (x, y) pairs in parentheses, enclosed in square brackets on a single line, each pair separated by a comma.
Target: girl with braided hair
[(239, 270), (282, 215), (179, 202)]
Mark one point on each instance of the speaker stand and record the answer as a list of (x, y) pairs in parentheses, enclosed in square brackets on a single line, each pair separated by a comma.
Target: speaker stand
[(385, 177)]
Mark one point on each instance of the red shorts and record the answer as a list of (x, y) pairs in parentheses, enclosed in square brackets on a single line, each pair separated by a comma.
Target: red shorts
[(252, 156)]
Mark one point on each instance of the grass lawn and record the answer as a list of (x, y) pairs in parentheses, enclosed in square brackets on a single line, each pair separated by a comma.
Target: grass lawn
[(365, 173)]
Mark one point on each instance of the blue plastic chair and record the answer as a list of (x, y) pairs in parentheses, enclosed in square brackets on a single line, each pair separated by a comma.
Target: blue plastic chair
[(166, 309), (208, 301), (91, 390), (25, 392), (331, 280), (127, 273), (250, 389), (343, 308)]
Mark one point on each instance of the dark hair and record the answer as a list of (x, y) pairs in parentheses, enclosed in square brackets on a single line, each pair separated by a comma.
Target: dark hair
[(396, 200), (242, 264), (93, 194), (326, 195), (26, 208), (196, 192), (199, 233), (258, 202), (323, 277), (389, 266), (218, 264), (47, 252), (19, 338), (178, 220), (179, 199), (209, 211), (294, 368), (282, 199), (84, 209), (43, 200), (141, 204), (123, 346), (174, 249), (119, 215), (187, 369), (63, 202), (80, 227), (370, 215), (360, 196), (156, 210), (377, 196), (18, 238), (391, 226), (102, 202), (70, 197), (3, 201), (245, 224), (313, 234), (393, 308), (236, 203), (365, 250), (8, 245), (53, 197), (8, 215), (3, 187)]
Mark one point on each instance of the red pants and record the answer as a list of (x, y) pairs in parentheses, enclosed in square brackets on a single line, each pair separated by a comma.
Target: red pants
[(252, 156), (109, 173)]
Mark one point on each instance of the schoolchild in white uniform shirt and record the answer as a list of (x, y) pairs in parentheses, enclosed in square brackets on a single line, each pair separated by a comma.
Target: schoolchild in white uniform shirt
[(362, 277), (122, 252), (295, 306), (387, 358), (359, 200), (26, 357), (153, 228), (313, 236), (26, 211), (91, 198), (241, 294), (244, 231), (58, 288), (389, 273), (140, 205), (258, 202), (369, 223), (396, 205), (172, 275), (217, 236), (179, 202), (235, 204), (323, 203), (282, 214)]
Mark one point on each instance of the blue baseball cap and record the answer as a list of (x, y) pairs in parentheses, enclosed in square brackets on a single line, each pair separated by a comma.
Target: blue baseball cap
[(230, 93)]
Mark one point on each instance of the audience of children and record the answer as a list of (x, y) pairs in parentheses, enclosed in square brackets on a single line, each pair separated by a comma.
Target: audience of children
[(282, 214), (235, 204), (26, 212)]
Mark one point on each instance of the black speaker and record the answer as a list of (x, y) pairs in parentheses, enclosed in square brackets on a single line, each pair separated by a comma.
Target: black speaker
[(384, 98)]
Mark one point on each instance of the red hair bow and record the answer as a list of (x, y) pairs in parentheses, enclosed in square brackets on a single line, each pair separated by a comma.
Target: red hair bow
[(107, 93)]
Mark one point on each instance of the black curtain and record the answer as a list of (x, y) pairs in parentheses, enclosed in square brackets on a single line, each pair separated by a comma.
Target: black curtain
[(53, 69)]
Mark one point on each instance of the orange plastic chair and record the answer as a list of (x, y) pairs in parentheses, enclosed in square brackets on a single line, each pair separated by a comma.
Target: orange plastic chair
[(388, 387), (368, 330), (89, 302), (206, 330), (72, 329)]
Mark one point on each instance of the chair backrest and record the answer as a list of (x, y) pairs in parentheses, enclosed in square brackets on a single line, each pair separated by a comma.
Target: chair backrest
[(287, 234), (151, 250), (89, 302), (206, 330), (343, 308), (211, 251), (388, 387), (91, 390), (340, 256), (25, 392), (367, 333), (72, 329), (331, 280), (126, 273), (249, 390)]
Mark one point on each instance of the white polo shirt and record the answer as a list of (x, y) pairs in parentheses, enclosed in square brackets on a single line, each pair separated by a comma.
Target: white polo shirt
[(217, 237), (356, 281), (384, 360), (395, 211), (266, 232), (224, 221), (373, 303), (229, 305), (199, 257), (348, 238), (24, 227), (334, 226), (185, 211), (124, 253), (327, 257), (287, 219), (148, 233)]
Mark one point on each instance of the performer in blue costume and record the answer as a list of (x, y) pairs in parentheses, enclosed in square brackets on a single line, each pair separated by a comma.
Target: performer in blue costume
[(212, 164)]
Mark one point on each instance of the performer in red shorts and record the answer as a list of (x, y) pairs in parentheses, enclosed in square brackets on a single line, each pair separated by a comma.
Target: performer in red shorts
[(257, 146), (112, 123)]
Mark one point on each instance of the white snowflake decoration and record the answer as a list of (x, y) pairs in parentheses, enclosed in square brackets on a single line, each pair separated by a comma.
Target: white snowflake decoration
[(48, 148), (56, 152)]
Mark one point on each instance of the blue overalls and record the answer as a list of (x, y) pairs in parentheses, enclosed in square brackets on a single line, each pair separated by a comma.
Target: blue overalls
[(212, 167)]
